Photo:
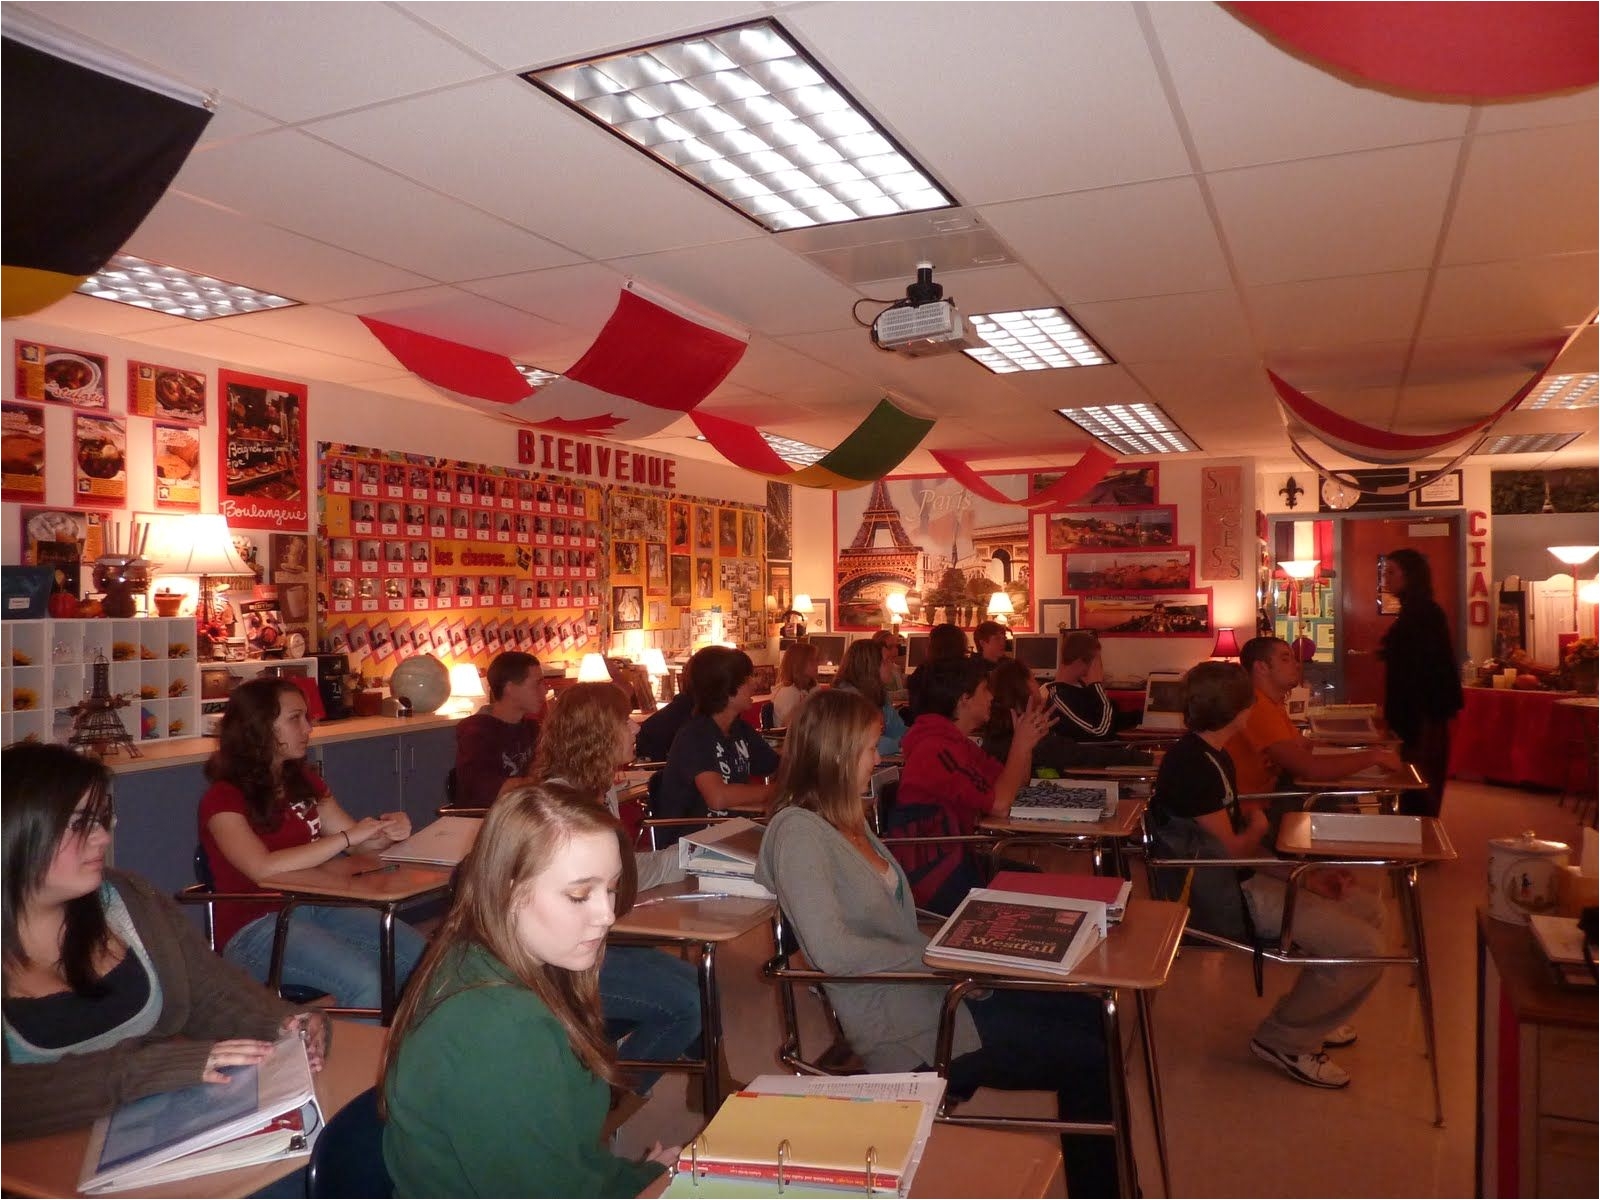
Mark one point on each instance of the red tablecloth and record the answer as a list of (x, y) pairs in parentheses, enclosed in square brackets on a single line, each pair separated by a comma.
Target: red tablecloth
[(1509, 736)]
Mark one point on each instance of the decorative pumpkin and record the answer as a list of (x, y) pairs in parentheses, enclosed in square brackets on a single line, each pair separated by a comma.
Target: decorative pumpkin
[(62, 605)]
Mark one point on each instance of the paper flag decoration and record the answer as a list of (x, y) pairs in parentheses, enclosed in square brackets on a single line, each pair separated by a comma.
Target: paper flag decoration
[(1440, 50), (1074, 483), (87, 157), (874, 448), (652, 363)]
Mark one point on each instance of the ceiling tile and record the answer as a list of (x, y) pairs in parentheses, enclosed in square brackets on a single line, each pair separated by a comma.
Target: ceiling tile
[(770, 366), (1143, 239), (231, 121), (1231, 81), (1337, 312), (1529, 114), (582, 297), (1157, 328), (316, 328), (508, 149), (75, 311), (184, 232), (235, 347), (460, 316), (1510, 205), (1350, 214), (361, 207), (1538, 295), (291, 61), (977, 97)]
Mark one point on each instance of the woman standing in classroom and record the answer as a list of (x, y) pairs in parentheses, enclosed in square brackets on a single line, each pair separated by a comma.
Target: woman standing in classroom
[(1422, 686)]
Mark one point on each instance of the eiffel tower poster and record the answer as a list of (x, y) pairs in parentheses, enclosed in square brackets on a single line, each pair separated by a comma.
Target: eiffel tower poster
[(945, 548)]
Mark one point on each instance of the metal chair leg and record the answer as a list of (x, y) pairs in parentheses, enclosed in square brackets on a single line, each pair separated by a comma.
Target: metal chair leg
[(1412, 907), (1147, 1034)]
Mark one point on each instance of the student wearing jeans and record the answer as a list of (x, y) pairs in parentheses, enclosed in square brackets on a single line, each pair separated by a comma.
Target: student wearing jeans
[(266, 813)]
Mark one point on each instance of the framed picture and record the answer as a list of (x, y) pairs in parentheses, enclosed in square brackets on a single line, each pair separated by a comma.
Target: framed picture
[(625, 560), (1325, 635), (679, 575), (1444, 492), (780, 584), (749, 535), (1128, 570), (678, 527), (727, 532), (262, 452), (1111, 528), (820, 619), (655, 568), (1123, 485), (1147, 614), (627, 609), (1059, 615)]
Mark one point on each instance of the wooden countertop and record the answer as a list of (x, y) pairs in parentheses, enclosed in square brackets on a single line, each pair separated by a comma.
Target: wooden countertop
[(1530, 984), (183, 751)]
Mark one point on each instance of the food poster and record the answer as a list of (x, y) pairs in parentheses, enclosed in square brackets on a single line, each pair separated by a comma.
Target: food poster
[(177, 459), (262, 452), (63, 538), (61, 376), (166, 393), (22, 449), (100, 460)]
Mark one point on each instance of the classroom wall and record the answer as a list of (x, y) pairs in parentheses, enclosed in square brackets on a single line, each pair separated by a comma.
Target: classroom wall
[(336, 413), (1233, 603)]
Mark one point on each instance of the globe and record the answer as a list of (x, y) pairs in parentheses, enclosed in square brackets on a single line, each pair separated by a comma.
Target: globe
[(423, 680)]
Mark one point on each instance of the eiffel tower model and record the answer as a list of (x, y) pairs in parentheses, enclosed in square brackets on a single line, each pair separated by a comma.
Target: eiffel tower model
[(96, 728)]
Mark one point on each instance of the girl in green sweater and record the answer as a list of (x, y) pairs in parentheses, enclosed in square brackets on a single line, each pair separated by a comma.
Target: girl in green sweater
[(496, 1078)]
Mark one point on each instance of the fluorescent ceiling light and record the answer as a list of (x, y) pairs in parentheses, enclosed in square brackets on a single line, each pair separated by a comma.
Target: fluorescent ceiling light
[(1033, 339), (1526, 443), (1131, 428), (747, 115), (796, 454), (537, 377), (1565, 391), (176, 292)]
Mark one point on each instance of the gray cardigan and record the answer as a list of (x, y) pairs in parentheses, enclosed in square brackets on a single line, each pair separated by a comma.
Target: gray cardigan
[(847, 922)]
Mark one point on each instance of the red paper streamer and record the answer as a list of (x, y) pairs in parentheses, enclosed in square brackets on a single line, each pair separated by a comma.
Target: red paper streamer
[(1072, 485)]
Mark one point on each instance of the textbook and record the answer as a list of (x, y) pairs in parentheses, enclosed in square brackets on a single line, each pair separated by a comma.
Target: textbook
[(1109, 890), (732, 885), (726, 848), (1065, 800), (1013, 929), (264, 1112), (818, 1141), (444, 843)]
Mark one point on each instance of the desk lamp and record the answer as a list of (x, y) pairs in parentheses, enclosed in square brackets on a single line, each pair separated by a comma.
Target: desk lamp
[(1000, 607), (593, 669), (1574, 557), (466, 689), (895, 602), (201, 545), (655, 666), (1226, 646), (1299, 570)]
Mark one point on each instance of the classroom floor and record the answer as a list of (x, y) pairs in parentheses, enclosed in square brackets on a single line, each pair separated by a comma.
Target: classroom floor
[(1235, 1126)]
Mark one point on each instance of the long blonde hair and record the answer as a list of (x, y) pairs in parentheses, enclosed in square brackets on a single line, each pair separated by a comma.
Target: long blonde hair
[(826, 740), (524, 830), (578, 737)]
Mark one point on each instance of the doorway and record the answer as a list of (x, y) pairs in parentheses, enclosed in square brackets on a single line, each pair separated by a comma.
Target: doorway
[(1365, 612)]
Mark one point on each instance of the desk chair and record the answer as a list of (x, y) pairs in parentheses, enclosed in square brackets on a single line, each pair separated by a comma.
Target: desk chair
[(1173, 877), (883, 789), (347, 1159)]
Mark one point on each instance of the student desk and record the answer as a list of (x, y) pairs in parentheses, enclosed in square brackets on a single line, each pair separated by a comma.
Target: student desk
[(50, 1165), (678, 914), (1137, 955), (1387, 787), (1295, 840), (357, 880), (1107, 834), (961, 1160)]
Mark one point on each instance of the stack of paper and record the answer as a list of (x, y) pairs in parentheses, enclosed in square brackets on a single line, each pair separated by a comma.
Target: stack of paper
[(444, 843), (722, 857)]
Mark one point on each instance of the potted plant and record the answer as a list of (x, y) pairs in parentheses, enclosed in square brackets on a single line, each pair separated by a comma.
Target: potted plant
[(1580, 666)]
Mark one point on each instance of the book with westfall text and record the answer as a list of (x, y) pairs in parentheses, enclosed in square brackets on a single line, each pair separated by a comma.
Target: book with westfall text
[(1013, 929)]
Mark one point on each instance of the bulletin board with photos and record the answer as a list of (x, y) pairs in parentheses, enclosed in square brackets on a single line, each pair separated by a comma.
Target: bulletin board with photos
[(424, 555), (678, 562)]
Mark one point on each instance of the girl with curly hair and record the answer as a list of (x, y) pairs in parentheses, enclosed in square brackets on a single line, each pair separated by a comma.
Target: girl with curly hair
[(267, 812), (651, 996)]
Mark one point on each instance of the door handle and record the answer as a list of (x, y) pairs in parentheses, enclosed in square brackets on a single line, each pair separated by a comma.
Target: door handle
[(1358, 651)]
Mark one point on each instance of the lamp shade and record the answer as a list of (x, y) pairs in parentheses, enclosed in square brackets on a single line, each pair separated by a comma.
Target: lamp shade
[(1227, 645), (593, 669), (655, 662), (1000, 605), (802, 603), (895, 602), (465, 681), (197, 544), (1574, 556), (1300, 568)]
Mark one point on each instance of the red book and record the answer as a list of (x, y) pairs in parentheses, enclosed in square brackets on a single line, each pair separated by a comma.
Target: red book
[(1109, 890)]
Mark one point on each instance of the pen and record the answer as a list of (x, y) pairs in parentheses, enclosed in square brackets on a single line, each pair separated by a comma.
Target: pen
[(373, 871)]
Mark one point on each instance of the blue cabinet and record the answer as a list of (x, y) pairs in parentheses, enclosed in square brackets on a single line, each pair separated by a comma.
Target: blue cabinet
[(363, 774), (426, 758), (158, 823)]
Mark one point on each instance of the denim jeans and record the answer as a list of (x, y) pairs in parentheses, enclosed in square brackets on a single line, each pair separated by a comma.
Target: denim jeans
[(335, 949), (658, 995), (1048, 1041)]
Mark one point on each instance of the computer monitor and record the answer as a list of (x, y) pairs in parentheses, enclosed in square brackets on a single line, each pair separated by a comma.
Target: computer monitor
[(1163, 700), (916, 650), (1039, 652), (830, 647)]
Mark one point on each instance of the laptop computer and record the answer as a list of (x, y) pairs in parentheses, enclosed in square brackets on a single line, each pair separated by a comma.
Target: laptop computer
[(1163, 703)]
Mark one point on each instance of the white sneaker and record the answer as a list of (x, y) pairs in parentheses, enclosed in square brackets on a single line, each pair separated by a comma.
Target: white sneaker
[(1317, 1070), (1339, 1038)]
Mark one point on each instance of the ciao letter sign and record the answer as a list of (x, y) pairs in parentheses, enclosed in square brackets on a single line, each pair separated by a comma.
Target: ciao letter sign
[(1478, 586)]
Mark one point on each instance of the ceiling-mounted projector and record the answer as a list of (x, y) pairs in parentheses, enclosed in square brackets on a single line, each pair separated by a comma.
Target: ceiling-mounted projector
[(923, 323)]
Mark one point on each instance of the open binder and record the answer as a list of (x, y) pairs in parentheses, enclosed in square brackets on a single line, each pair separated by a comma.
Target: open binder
[(263, 1113)]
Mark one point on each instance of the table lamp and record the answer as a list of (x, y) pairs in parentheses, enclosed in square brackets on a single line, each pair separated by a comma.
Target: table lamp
[(655, 666), (895, 602), (1574, 557), (466, 689), (1226, 645), (200, 544), (593, 669), (1299, 570), (1000, 607)]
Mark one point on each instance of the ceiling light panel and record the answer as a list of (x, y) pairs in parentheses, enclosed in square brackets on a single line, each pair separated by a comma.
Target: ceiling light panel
[(1527, 443), (537, 377), (1034, 339), (1565, 391), (176, 292), (1131, 428), (749, 117)]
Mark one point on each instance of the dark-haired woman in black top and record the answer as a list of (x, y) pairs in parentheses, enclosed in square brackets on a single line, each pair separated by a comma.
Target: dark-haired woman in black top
[(1422, 689)]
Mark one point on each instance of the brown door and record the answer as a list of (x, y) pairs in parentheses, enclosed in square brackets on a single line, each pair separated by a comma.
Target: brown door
[(1362, 541)]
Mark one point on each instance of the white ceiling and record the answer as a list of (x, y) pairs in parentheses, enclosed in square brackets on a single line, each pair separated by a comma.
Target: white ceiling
[(1203, 203)]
